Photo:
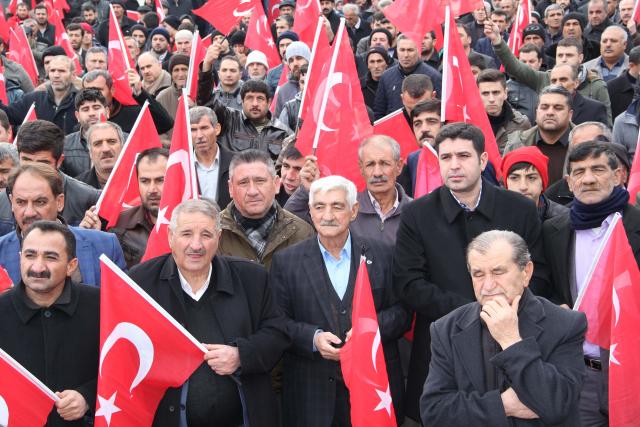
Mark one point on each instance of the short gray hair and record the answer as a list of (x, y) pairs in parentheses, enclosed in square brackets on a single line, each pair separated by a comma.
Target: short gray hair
[(105, 125), (351, 6), (606, 132), (483, 242), (203, 205), (380, 140), (9, 151), (197, 113), (334, 182), (95, 74), (551, 8), (623, 32), (252, 156), (68, 62)]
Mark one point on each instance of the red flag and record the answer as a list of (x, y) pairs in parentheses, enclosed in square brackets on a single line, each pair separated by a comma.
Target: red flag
[(634, 176), (523, 18), (132, 14), (611, 301), (5, 280), (334, 140), (3, 86), (121, 190), (636, 12), (20, 52), (274, 10), (13, 6), (181, 175), (158, 352), (24, 400), (225, 14), (461, 101), (428, 176), (305, 19), (395, 125), (4, 27), (259, 37), (362, 361), (160, 10), (62, 40), (283, 79), (119, 62), (198, 52), (31, 114)]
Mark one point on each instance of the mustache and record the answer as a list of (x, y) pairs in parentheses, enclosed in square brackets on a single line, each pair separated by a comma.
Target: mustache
[(425, 135), (378, 179), (46, 274), (331, 223), (192, 252)]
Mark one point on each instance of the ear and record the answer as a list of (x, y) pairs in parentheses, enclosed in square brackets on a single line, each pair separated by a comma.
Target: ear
[(218, 129), (484, 159), (528, 272), (77, 115), (60, 202), (72, 266), (354, 211), (60, 160)]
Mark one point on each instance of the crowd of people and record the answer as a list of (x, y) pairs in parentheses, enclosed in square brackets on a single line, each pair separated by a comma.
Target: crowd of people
[(485, 270)]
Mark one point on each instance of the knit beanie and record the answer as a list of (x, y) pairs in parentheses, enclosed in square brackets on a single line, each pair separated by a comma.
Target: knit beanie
[(531, 155)]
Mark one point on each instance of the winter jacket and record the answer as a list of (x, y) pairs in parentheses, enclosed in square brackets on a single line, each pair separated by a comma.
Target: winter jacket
[(522, 98), (625, 129), (514, 121)]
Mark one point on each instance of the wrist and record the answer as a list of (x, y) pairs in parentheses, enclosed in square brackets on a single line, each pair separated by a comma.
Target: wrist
[(509, 341)]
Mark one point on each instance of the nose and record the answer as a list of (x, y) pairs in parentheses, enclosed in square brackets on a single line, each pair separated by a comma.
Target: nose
[(38, 266), (196, 243), (29, 210), (377, 170), (588, 177)]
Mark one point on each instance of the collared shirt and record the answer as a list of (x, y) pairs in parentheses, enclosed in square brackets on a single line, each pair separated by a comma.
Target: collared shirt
[(607, 73), (465, 207), (208, 177), (338, 269), (586, 246), (378, 209), (187, 288)]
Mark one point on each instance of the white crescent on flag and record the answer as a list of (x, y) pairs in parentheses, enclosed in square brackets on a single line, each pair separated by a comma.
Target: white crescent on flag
[(332, 80), (182, 157), (243, 13), (4, 413)]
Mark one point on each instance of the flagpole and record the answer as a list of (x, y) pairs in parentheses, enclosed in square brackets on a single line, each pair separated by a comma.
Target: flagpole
[(314, 49), (18, 367), (192, 165), (192, 58), (328, 86), (445, 56), (594, 263)]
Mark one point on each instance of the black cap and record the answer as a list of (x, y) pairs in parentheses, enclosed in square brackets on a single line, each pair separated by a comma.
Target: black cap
[(577, 16), (380, 51), (290, 3)]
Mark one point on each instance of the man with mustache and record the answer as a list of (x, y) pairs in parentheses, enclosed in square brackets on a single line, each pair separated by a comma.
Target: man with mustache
[(36, 193), (50, 323), (613, 60), (105, 143), (429, 259)]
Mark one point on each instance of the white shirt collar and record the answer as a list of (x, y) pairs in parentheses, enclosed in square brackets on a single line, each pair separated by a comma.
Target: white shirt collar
[(187, 288), (215, 163)]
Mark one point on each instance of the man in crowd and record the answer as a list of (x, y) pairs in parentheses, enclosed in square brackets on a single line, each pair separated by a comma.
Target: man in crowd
[(504, 120), (314, 284), (520, 96), (95, 59), (584, 109), (510, 357), (429, 262), (282, 42), (105, 141), (377, 60), (169, 96), (160, 43), (36, 192), (551, 134), (154, 78), (220, 301), (356, 27), (51, 324), (622, 88), (183, 40), (553, 19), (46, 31), (253, 225), (228, 74), (571, 242), (598, 19), (76, 34), (257, 65), (8, 162), (612, 60), (297, 55)]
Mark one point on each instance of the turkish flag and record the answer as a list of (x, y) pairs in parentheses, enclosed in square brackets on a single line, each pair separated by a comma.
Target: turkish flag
[(460, 95), (132, 14), (24, 400), (143, 351), (198, 52), (4, 27), (62, 40), (119, 62), (13, 6), (259, 37), (283, 79), (611, 302), (317, 72), (31, 114), (362, 361), (274, 10), (159, 10), (225, 14), (634, 175), (5, 280), (324, 131), (121, 190), (20, 52), (428, 176), (3, 87), (395, 125), (523, 18), (181, 175), (305, 19)]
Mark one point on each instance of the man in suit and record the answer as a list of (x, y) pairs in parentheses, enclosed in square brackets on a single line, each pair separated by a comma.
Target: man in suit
[(584, 109), (429, 261), (35, 191), (510, 347), (212, 161), (571, 242), (226, 304), (314, 284)]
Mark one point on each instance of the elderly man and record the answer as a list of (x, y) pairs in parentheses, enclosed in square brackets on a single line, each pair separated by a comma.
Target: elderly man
[(51, 325), (8, 162), (95, 59), (598, 19), (105, 142), (314, 284), (183, 40), (154, 78), (571, 242), (36, 192), (226, 304), (256, 66), (510, 347), (253, 225), (613, 60), (169, 96), (357, 28)]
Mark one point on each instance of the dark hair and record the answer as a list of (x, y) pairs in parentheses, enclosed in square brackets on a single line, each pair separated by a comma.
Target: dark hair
[(40, 135), (592, 150), (530, 47), (478, 61), (55, 227), (379, 17), (572, 41), (189, 26), (521, 166), (430, 106), (416, 85), (4, 120), (75, 27), (152, 154), (460, 130), (150, 20), (574, 70), (491, 75), (557, 90), (291, 152), (42, 170), (41, 6), (634, 55), (231, 58), (499, 12), (459, 25), (88, 6), (89, 95), (304, 69), (258, 86)]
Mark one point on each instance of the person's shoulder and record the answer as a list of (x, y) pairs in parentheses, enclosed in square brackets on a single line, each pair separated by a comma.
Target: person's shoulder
[(86, 292), (8, 239), (148, 268), (242, 266), (294, 251), (557, 315), (92, 235), (78, 187), (466, 314)]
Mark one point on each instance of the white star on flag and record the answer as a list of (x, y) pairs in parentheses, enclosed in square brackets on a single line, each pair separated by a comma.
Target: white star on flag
[(612, 358), (162, 219), (385, 400), (107, 407)]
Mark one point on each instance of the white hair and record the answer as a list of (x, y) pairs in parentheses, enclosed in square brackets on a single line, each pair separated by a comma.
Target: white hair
[(334, 182), (352, 7), (183, 35)]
